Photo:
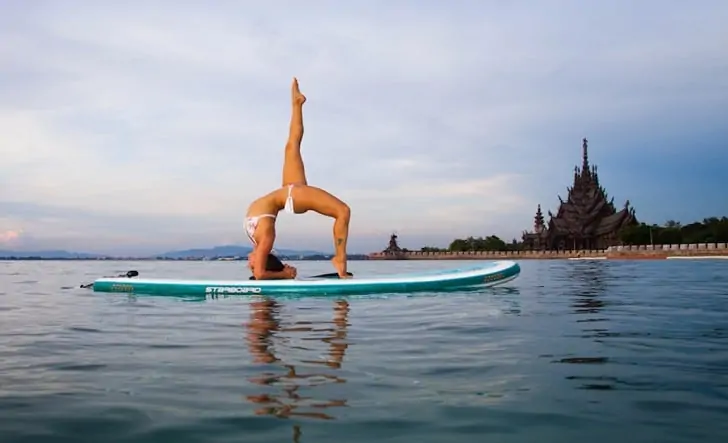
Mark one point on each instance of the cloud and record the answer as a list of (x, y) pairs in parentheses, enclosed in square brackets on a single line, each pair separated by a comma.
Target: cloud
[(9, 236), (152, 125)]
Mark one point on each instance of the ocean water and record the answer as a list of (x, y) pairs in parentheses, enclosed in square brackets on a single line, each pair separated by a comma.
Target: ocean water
[(571, 350)]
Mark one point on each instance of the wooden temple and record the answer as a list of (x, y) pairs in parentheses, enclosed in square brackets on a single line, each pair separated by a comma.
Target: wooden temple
[(586, 220)]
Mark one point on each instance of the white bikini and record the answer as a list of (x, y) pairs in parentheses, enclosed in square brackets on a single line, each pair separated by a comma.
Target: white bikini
[(251, 222)]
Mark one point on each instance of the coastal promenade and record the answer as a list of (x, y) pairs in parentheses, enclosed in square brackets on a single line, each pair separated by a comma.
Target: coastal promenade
[(627, 252)]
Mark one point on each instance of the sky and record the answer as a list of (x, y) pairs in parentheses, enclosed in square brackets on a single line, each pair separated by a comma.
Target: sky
[(146, 126)]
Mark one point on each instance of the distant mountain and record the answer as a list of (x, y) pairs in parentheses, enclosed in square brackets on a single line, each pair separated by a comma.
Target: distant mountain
[(231, 251), (217, 251), (47, 254)]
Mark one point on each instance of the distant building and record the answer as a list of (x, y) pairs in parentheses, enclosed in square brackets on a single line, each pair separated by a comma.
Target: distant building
[(586, 220), (393, 251)]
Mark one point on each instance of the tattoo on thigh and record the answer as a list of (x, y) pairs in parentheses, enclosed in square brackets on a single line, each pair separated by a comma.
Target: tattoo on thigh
[(339, 241)]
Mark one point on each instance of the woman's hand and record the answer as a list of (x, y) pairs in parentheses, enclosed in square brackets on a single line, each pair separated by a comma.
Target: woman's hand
[(289, 271)]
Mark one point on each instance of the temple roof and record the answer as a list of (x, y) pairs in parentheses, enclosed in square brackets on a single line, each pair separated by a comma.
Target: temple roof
[(599, 225), (612, 223)]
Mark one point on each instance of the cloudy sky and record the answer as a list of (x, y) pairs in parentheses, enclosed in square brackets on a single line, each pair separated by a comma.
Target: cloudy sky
[(144, 126)]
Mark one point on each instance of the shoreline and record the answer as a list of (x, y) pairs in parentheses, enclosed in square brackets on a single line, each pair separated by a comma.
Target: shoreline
[(628, 252), (699, 251)]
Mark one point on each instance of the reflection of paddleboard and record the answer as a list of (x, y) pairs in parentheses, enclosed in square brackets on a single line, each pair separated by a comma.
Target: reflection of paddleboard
[(486, 274)]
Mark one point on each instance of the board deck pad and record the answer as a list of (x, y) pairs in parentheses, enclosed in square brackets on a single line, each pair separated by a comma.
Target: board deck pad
[(484, 274)]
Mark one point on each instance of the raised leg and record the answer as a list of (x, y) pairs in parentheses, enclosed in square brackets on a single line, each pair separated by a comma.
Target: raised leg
[(293, 169)]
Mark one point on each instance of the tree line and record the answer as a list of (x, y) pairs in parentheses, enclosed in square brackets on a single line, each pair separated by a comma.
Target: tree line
[(710, 230), (489, 243)]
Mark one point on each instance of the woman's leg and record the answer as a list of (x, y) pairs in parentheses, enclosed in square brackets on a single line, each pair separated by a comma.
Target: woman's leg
[(309, 198), (293, 169)]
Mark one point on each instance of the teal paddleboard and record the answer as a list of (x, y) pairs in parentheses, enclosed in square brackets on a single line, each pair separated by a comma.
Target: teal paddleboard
[(487, 274)]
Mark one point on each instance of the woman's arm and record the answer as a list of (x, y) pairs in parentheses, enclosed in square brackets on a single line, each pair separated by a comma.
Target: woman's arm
[(260, 257)]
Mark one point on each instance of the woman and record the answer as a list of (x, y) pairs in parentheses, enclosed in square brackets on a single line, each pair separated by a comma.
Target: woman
[(296, 197)]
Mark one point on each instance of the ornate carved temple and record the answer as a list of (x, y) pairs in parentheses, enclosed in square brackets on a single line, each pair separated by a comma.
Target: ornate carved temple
[(586, 220)]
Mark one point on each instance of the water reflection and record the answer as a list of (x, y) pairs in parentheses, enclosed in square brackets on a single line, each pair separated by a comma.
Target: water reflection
[(588, 285), (508, 297), (587, 288), (593, 290), (266, 336)]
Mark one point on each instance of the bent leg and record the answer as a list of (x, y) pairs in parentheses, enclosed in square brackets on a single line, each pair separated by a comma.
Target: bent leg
[(309, 198), (293, 169)]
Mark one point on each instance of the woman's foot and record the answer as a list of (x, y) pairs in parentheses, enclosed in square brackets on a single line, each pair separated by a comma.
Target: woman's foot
[(296, 97), (340, 266)]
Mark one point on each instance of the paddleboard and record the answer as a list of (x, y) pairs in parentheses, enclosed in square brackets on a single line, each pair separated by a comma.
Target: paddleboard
[(486, 274)]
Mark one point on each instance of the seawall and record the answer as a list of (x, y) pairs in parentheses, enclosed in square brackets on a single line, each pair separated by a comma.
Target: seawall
[(626, 252)]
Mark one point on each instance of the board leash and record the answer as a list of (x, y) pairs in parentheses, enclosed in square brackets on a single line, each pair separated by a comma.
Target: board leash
[(128, 274)]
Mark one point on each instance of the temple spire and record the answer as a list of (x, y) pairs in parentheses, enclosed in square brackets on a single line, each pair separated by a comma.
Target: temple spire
[(585, 158), (538, 221)]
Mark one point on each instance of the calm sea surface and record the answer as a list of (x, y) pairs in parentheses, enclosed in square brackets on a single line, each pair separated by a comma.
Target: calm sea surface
[(572, 350)]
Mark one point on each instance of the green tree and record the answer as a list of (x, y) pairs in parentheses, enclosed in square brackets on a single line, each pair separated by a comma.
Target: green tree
[(672, 224), (636, 234), (490, 243), (710, 230), (431, 249)]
